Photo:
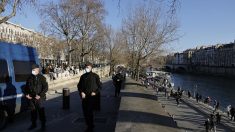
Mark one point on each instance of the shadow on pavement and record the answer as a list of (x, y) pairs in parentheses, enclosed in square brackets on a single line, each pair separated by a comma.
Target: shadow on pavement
[(146, 118), (139, 95), (67, 120)]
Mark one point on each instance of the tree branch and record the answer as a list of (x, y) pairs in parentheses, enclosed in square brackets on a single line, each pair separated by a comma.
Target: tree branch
[(13, 13)]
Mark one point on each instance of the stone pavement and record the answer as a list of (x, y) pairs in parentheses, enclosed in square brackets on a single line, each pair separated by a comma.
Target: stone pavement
[(204, 108), (72, 120), (188, 115), (140, 111)]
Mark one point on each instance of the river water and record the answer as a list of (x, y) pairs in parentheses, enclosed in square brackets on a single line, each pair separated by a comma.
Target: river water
[(219, 88)]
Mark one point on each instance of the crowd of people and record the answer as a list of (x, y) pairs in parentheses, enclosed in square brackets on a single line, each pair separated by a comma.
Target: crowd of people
[(214, 118), (56, 71)]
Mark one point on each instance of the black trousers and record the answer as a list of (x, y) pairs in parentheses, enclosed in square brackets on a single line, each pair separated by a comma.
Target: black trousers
[(88, 111), (37, 108), (118, 88)]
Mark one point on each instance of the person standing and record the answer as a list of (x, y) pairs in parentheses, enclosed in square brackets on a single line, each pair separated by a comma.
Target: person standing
[(214, 106), (165, 90), (177, 98), (117, 80), (189, 94), (35, 91), (232, 112), (212, 122), (197, 97), (207, 125), (228, 110), (218, 118), (217, 106), (89, 88)]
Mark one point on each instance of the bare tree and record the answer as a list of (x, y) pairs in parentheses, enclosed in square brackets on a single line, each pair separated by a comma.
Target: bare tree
[(146, 31), (172, 4), (90, 25), (11, 6), (75, 21), (115, 48), (59, 21)]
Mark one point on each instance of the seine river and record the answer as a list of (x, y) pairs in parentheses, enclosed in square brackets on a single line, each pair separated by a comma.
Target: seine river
[(219, 88)]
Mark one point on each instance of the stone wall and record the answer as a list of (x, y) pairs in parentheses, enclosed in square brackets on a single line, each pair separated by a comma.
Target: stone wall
[(102, 72)]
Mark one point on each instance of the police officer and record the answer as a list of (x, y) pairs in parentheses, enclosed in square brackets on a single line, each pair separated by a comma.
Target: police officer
[(89, 88), (117, 80), (36, 88)]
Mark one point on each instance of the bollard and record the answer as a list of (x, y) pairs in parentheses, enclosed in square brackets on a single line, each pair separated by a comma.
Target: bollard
[(66, 98)]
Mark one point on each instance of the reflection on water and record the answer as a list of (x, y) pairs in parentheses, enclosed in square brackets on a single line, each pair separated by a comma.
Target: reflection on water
[(219, 88)]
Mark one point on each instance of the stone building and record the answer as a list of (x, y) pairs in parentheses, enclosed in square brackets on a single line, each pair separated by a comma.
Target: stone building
[(47, 47)]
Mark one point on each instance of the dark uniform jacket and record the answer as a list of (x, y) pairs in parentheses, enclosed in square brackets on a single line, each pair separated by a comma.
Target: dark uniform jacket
[(89, 82), (36, 85), (117, 79)]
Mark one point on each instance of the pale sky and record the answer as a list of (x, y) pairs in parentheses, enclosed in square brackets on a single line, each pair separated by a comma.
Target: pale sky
[(202, 22)]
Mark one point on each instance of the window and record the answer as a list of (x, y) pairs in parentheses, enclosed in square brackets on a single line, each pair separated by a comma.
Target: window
[(22, 70), (4, 74)]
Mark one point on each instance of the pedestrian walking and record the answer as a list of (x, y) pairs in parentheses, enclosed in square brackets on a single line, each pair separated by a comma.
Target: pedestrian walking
[(207, 125), (179, 89), (35, 91), (197, 97), (189, 94), (214, 105), (218, 118), (157, 90), (171, 93), (212, 122), (228, 110), (165, 90), (117, 81), (207, 100), (168, 95), (177, 98), (232, 112), (217, 106), (89, 88)]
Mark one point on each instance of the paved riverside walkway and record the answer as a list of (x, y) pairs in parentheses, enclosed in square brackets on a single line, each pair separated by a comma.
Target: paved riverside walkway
[(59, 120), (141, 112), (190, 116)]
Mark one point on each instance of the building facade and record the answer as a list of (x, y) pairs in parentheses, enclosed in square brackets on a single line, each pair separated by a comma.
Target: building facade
[(221, 55), (46, 47)]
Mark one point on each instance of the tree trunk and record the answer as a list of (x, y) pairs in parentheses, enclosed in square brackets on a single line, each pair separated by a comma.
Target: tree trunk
[(137, 69), (70, 55), (111, 63), (82, 54)]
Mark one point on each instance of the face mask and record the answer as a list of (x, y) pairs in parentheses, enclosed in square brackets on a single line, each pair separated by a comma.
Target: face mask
[(34, 73), (88, 70)]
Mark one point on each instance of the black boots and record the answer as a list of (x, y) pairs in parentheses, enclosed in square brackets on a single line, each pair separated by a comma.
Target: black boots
[(42, 118)]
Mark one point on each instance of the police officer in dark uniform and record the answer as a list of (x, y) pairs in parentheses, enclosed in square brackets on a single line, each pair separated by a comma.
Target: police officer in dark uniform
[(89, 88), (36, 88), (117, 81)]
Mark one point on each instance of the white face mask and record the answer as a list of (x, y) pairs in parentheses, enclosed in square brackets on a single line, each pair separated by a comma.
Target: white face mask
[(87, 70), (34, 72)]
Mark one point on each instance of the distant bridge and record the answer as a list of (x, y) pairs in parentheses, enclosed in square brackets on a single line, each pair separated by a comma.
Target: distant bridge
[(176, 67)]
